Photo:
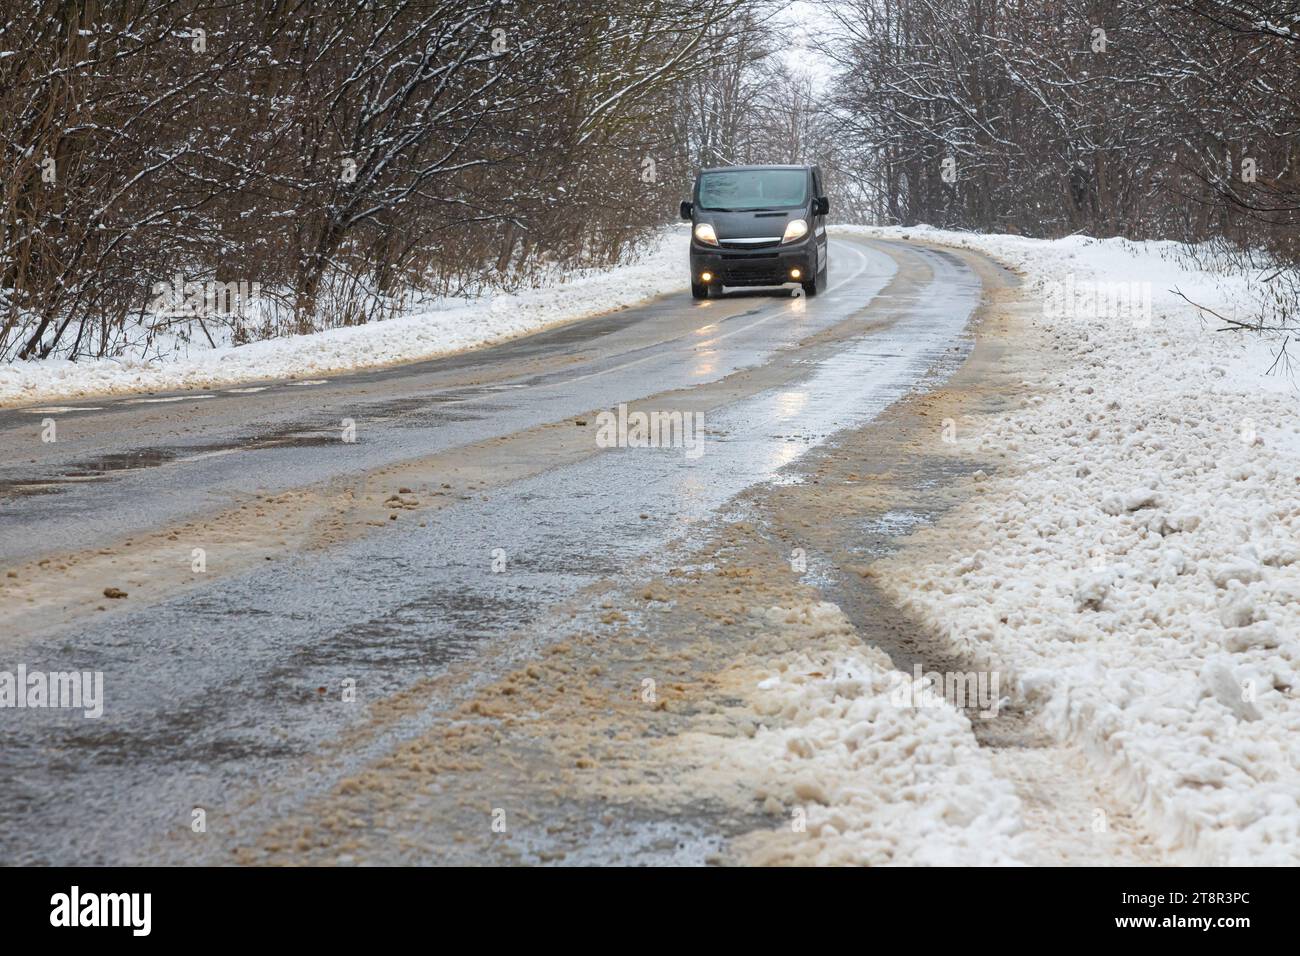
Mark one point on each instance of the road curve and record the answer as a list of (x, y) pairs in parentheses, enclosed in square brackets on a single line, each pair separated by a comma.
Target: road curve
[(473, 501)]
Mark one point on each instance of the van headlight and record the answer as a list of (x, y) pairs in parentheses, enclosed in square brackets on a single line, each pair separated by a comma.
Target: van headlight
[(704, 233), (795, 229)]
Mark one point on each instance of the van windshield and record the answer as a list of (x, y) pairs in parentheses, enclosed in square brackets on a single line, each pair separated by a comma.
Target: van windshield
[(743, 190)]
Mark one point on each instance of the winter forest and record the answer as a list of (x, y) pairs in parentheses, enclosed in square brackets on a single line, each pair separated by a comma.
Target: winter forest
[(347, 158)]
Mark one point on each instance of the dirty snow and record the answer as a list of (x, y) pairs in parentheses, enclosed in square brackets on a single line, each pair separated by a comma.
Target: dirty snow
[(1132, 557), (451, 326), (854, 778)]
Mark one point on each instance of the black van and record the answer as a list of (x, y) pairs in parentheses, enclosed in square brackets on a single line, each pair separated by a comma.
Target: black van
[(757, 225)]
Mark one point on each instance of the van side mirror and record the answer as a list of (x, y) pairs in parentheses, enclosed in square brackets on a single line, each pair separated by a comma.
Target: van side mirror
[(687, 210), (823, 205)]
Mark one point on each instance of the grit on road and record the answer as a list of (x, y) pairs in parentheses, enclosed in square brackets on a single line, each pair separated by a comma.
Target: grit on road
[(319, 574)]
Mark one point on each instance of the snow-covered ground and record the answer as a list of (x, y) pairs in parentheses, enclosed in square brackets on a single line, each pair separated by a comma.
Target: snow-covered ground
[(451, 326), (1132, 559), (867, 781)]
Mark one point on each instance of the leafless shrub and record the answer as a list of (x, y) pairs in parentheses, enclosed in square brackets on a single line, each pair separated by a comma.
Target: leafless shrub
[(343, 157)]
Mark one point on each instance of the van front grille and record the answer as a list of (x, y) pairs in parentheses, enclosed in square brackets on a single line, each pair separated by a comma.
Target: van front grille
[(753, 270), (751, 244)]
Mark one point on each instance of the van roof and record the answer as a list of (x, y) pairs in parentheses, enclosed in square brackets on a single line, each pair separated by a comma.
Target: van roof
[(732, 169)]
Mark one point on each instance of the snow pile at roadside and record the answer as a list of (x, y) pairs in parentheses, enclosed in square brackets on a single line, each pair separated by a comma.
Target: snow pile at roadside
[(855, 777), (1134, 558), (660, 268)]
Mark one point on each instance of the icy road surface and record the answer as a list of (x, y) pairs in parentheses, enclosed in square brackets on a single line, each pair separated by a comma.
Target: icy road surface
[(220, 680)]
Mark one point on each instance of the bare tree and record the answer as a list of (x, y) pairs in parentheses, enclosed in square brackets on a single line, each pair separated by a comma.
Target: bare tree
[(342, 156)]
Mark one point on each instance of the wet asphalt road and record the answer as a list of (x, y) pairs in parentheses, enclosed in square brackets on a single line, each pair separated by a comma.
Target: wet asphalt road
[(212, 693)]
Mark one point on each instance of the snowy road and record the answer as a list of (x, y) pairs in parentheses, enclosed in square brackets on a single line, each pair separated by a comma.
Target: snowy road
[(286, 585), (123, 465)]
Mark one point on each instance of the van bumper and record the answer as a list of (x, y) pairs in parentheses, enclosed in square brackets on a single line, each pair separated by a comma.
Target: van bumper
[(754, 267)]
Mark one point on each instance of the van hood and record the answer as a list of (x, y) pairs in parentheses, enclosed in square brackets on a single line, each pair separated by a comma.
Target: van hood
[(750, 225)]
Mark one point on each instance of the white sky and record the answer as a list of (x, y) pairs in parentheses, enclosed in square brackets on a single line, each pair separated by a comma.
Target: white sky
[(801, 20)]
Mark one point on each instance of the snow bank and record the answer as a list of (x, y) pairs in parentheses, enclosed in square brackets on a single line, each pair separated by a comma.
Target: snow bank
[(1134, 557), (854, 777), (454, 327)]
